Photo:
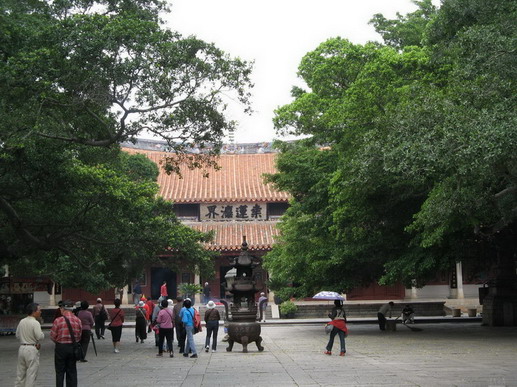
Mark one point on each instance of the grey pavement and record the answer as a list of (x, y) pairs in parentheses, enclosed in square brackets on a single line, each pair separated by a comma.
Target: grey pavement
[(445, 354)]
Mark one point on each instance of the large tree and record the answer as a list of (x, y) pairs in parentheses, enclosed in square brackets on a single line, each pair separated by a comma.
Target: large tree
[(77, 78), (352, 208), (425, 137)]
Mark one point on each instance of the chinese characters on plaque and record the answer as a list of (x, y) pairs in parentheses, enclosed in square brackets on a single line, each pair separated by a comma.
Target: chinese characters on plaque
[(239, 211)]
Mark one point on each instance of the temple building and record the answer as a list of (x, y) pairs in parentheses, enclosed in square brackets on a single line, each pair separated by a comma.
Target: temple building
[(233, 202)]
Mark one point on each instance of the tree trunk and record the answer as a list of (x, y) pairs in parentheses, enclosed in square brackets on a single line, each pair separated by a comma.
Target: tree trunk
[(500, 305)]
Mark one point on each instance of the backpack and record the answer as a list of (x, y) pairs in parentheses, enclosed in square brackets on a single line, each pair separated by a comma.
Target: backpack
[(104, 313), (197, 321)]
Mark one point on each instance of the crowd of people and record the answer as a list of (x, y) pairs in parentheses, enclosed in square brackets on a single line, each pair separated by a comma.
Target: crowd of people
[(74, 325), (72, 331)]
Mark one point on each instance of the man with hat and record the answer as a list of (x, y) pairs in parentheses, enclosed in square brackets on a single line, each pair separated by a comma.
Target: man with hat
[(29, 333), (100, 315), (140, 322), (212, 318), (64, 358)]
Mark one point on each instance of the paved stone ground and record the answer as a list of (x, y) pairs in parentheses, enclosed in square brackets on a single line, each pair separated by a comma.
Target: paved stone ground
[(446, 354)]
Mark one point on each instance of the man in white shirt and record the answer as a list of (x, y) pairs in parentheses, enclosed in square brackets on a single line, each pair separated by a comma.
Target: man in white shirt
[(263, 306), (381, 315), (29, 333)]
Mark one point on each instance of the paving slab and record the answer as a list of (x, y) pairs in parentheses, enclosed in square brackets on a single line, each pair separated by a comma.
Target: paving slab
[(445, 354)]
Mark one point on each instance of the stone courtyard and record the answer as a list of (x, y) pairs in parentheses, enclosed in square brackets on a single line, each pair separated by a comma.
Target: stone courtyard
[(441, 354)]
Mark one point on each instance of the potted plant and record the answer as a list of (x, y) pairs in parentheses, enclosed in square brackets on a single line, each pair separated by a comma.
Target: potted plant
[(188, 290), (288, 309)]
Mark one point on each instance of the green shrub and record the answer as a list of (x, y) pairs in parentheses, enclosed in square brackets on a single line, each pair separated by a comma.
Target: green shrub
[(189, 290), (288, 307)]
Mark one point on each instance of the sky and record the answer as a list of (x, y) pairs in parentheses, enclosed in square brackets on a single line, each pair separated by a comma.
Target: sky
[(276, 34)]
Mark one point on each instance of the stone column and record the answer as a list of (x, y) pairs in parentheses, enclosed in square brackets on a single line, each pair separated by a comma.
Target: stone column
[(52, 297), (414, 292), (197, 281), (125, 299), (459, 278)]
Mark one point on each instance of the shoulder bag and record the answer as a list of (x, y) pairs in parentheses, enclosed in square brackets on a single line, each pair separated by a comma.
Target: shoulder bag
[(196, 319), (77, 347), (109, 325)]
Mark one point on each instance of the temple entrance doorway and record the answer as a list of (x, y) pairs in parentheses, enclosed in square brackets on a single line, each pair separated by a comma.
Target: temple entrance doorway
[(160, 274)]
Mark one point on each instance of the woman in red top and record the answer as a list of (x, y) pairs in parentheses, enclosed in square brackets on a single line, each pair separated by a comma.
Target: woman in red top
[(117, 321), (339, 328)]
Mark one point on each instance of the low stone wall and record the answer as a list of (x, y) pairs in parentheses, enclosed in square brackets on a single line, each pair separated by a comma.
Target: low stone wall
[(317, 310), (430, 308)]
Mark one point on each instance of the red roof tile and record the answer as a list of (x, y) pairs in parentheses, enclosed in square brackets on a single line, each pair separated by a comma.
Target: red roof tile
[(228, 235), (239, 180)]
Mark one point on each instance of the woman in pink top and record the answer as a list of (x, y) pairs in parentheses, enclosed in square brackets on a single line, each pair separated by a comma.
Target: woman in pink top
[(117, 320), (165, 321)]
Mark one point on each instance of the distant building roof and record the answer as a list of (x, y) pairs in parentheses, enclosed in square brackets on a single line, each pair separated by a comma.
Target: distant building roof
[(161, 145), (240, 179), (228, 235)]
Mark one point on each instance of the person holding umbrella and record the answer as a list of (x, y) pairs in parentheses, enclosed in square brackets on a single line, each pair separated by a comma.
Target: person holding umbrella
[(338, 322)]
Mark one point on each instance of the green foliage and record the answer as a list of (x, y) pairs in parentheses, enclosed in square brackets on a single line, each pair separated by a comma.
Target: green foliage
[(77, 78), (419, 168), (189, 290), (275, 284), (103, 72), (408, 30), (288, 307)]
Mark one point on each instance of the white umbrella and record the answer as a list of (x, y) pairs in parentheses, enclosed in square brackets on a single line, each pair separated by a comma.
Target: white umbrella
[(325, 295)]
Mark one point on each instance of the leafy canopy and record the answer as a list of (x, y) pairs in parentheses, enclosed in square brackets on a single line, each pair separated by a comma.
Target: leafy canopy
[(77, 78), (422, 135)]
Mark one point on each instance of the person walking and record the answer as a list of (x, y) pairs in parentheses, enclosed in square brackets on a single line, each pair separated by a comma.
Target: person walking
[(116, 316), (87, 323), (187, 318), (212, 318), (163, 292), (149, 307), (141, 322), (154, 326), (338, 317), (181, 334), (165, 320), (64, 357), (29, 333), (100, 315), (206, 293), (263, 305), (137, 292), (381, 315)]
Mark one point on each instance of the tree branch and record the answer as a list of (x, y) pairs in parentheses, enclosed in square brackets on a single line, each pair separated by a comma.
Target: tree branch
[(506, 191), (18, 226)]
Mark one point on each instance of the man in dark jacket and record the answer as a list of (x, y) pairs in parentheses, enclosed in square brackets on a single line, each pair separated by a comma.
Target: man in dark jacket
[(181, 334)]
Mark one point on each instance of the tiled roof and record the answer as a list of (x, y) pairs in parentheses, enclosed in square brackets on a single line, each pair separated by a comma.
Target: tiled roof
[(228, 235), (239, 180)]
